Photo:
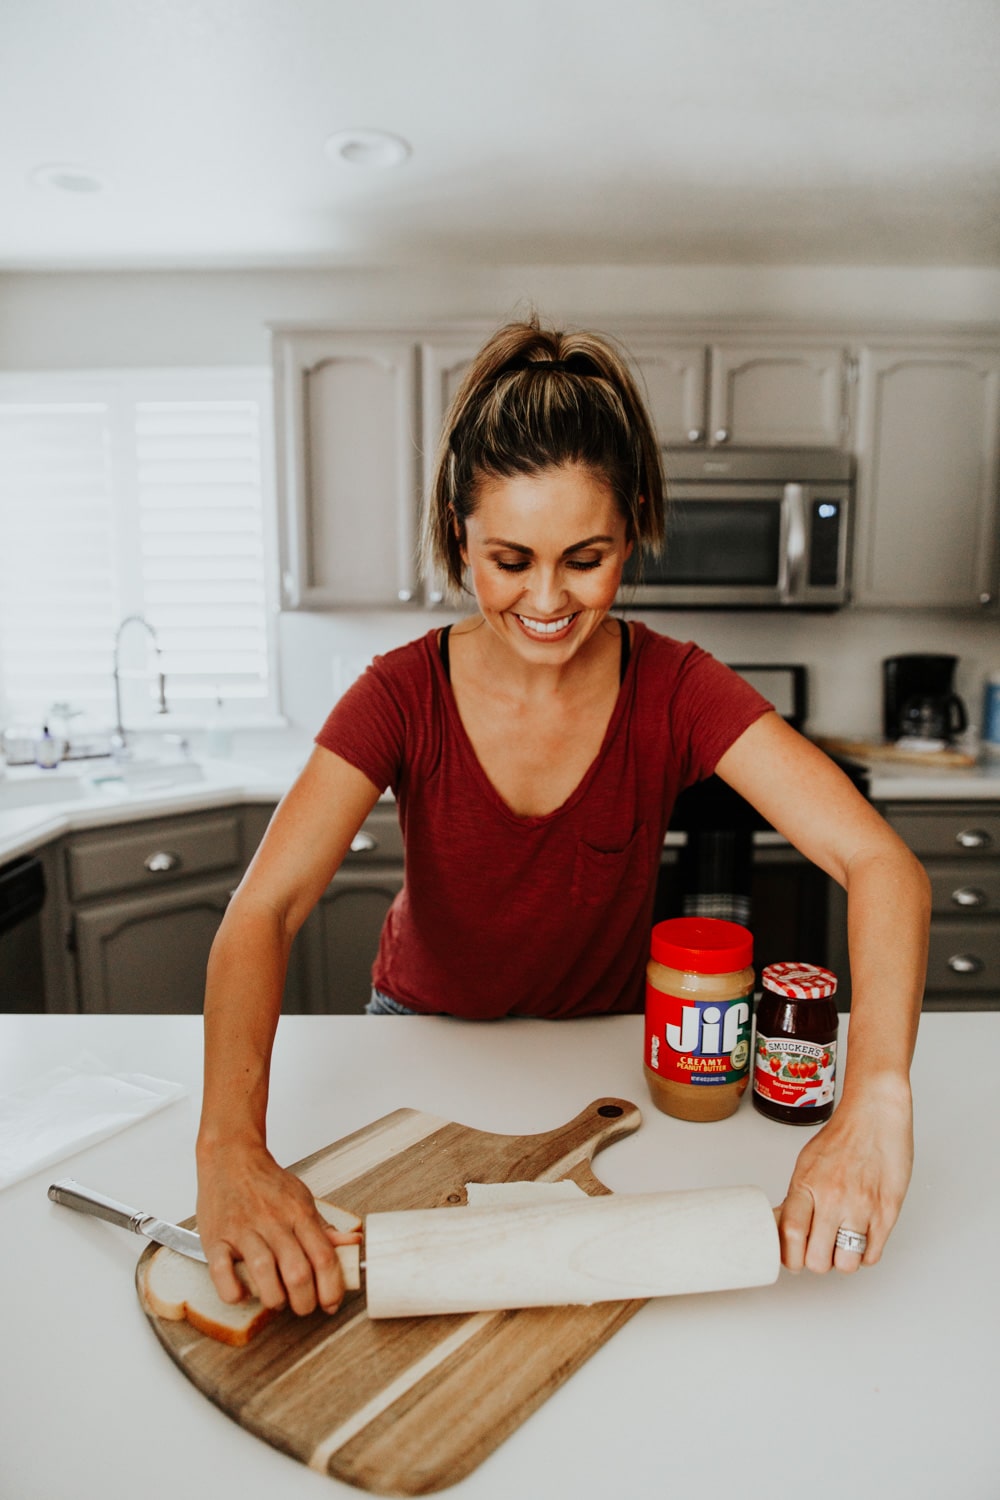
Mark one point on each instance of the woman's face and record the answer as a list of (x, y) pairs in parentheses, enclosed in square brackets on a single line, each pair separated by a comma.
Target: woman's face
[(546, 552)]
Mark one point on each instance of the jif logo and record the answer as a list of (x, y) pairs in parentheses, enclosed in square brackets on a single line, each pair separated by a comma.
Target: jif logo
[(708, 1030)]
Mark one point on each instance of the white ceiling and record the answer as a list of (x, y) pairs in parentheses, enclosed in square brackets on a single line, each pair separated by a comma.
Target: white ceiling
[(542, 131)]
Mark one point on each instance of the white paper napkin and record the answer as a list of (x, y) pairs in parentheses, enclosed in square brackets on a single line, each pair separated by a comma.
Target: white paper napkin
[(69, 1108)]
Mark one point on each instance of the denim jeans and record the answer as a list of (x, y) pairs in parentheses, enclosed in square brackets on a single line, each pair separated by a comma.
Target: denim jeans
[(384, 1005)]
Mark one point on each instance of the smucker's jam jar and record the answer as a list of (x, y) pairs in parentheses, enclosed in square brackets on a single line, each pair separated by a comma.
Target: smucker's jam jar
[(795, 1046), (699, 988)]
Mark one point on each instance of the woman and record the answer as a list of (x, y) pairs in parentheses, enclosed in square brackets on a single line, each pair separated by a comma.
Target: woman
[(535, 750)]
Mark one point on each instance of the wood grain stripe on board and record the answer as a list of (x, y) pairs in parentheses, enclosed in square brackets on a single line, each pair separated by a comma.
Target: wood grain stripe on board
[(438, 1432), (401, 1386), (366, 1149)]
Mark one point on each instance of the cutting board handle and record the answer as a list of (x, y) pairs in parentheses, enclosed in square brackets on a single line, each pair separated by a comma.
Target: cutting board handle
[(578, 1141)]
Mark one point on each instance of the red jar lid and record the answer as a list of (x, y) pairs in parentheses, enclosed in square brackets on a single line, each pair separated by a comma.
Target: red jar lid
[(799, 981), (701, 945)]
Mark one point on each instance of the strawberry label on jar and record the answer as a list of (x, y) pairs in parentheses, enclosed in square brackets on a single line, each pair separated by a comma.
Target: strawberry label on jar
[(793, 1072), (697, 1041)]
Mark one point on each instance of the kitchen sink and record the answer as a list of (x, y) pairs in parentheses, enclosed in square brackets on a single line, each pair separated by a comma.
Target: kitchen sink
[(146, 775), (30, 788), (39, 789)]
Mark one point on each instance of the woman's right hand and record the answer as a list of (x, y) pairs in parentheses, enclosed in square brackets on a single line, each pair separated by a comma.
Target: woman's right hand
[(252, 1210)]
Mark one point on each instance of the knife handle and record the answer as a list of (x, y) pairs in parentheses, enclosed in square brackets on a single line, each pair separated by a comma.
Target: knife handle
[(87, 1201)]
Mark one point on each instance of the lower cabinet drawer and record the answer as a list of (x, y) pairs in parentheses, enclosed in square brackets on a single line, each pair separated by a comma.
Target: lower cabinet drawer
[(965, 889), (958, 832), (964, 956), (154, 854)]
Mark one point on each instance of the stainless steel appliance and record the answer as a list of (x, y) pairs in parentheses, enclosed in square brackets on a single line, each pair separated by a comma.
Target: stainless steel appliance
[(751, 528), (918, 699)]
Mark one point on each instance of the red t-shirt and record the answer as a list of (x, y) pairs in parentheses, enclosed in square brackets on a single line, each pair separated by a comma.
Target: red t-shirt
[(542, 916)]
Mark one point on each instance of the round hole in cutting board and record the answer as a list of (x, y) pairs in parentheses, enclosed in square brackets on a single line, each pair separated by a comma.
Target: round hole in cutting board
[(610, 1110)]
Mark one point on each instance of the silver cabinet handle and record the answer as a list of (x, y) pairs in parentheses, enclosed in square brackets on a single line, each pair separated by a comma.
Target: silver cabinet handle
[(793, 505), (695, 434), (968, 895), (363, 843), (404, 595), (722, 434), (973, 838), (160, 862), (965, 963)]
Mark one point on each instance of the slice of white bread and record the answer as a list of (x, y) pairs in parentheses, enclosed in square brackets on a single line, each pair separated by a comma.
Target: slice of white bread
[(175, 1287)]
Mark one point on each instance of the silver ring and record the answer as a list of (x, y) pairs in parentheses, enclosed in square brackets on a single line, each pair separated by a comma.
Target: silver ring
[(850, 1239)]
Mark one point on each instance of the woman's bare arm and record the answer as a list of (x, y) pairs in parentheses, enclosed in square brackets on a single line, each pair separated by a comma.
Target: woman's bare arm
[(249, 1208), (855, 1171)]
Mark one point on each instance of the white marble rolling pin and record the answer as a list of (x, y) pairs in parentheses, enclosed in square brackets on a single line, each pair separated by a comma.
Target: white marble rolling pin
[(601, 1249)]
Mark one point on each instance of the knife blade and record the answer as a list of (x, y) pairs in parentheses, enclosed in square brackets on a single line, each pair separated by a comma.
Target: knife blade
[(86, 1201)]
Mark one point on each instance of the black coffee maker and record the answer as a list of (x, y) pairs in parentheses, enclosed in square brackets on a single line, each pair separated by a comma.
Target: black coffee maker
[(918, 699)]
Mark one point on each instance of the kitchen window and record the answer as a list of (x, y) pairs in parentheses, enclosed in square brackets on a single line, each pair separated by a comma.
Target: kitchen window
[(137, 492)]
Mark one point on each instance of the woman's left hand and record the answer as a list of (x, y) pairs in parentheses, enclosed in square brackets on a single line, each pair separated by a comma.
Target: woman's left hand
[(853, 1174)]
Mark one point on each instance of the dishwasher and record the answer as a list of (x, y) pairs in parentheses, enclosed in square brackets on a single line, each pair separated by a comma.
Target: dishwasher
[(22, 896)]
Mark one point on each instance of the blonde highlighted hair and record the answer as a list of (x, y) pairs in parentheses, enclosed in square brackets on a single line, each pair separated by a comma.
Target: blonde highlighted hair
[(536, 399)]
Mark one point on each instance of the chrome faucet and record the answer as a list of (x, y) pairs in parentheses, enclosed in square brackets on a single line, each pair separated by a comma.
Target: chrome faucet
[(119, 733)]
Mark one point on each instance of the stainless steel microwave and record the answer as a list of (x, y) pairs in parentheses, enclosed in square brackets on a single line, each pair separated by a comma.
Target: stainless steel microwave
[(750, 528)]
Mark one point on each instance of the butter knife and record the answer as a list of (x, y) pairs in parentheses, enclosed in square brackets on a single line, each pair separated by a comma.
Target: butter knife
[(86, 1201)]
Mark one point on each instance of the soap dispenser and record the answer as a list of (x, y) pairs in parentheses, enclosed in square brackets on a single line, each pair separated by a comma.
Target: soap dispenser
[(48, 750)]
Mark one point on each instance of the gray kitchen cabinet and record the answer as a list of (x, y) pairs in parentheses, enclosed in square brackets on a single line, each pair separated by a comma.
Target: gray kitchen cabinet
[(152, 854), (346, 424), (341, 935), (959, 846), (143, 902), (359, 414), (755, 394), (147, 954), (926, 523)]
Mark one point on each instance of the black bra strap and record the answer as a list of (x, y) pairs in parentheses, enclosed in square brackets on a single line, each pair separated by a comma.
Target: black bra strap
[(443, 647), (626, 650)]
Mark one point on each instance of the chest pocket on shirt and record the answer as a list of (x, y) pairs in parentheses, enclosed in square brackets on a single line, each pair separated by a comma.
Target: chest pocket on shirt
[(599, 875)]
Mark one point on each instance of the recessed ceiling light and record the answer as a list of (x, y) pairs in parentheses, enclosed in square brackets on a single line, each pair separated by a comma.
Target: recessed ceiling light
[(367, 148), (64, 177)]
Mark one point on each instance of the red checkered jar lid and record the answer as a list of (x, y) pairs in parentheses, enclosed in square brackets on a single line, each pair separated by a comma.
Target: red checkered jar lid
[(799, 981)]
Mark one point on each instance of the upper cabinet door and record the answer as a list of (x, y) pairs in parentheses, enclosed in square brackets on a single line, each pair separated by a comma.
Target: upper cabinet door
[(776, 396), (927, 478), (674, 380), (747, 395), (348, 467)]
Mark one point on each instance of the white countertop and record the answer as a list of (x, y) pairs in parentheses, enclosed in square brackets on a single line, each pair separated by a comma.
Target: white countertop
[(868, 1386), (267, 778), (221, 784), (911, 783)]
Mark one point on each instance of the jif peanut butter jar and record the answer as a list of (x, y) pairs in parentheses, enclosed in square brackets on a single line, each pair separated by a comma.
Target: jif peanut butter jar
[(699, 988)]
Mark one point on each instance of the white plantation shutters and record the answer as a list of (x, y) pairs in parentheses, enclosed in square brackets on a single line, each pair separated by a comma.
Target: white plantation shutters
[(58, 586), (136, 493)]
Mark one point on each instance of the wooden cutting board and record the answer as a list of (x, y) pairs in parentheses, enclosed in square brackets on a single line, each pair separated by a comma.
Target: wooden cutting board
[(407, 1406), (957, 760)]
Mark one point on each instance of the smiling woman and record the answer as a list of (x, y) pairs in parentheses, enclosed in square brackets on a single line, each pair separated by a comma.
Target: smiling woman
[(536, 750), (528, 584)]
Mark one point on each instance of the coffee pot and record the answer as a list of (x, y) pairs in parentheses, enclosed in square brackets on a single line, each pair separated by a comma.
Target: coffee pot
[(918, 699), (934, 717)]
